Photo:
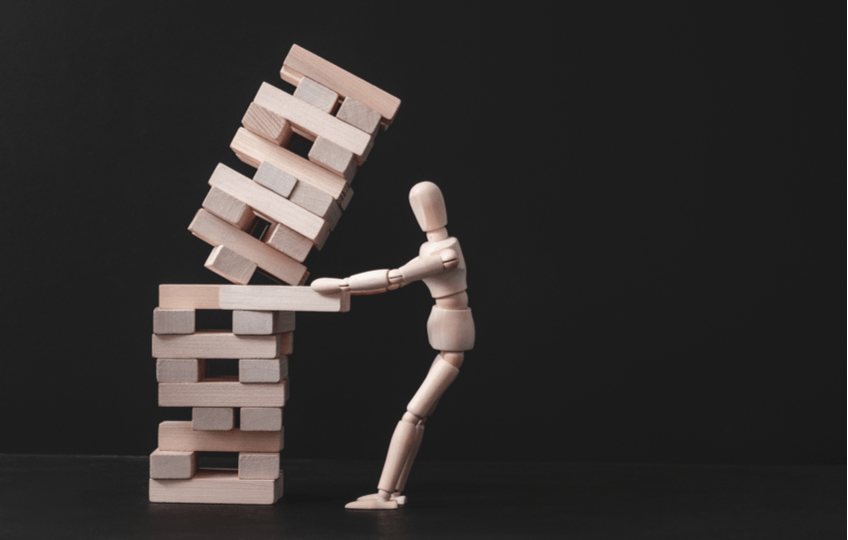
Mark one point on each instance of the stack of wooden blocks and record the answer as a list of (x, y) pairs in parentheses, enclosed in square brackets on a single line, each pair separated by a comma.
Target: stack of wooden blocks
[(268, 223)]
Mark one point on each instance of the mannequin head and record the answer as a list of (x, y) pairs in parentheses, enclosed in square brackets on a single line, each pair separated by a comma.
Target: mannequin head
[(428, 205)]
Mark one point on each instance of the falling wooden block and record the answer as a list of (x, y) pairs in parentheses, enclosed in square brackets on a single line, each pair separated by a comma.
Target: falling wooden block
[(230, 265), (333, 157), (222, 393), (166, 464), (216, 487), (313, 199), (173, 321), (310, 121), (251, 298), (269, 205), (179, 436), (301, 63), (212, 418), (180, 370), (253, 150), (359, 116), (262, 370), (262, 323), (230, 209), (211, 344), (287, 241), (261, 419), (265, 123), (258, 466), (217, 232), (275, 179), (317, 95)]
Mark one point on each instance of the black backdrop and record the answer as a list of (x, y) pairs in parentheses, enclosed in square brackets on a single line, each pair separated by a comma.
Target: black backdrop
[(642, 192)]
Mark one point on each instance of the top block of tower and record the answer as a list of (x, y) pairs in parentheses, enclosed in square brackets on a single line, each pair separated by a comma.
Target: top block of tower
[(301, 63)]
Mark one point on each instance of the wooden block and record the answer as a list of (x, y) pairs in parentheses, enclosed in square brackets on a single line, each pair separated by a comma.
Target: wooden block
[(173, 321), (212, 418), (301, 63), (275, 179), (265, 123), (251, 298), (253, 150), (310, 121), (209, 344), (261, 370), (218, 232), (224, 392), (216, 487), (172, 465), (359, 116), (262, 323), (180, 369), (280, 298), (230, 265), (261, 419), (334, 158), (317, 95), (314, 200), (178, 436), (230, 209), (269, 205), (258, 466), (287, 241)]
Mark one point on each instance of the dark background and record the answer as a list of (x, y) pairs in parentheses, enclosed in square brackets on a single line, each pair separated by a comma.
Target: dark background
[(646, 196)]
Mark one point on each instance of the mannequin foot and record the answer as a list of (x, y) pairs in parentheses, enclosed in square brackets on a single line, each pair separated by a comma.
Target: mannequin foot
[(375, 503), (400, 499)]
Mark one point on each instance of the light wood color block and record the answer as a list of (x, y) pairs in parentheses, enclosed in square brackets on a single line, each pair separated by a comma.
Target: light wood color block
[(313, 199), (334, 158), (173, 321), (317, 95), (253, 150), (310, 121), (287, 241), (359, 116), (213, 344), (269, 125), (275, 179), (183, 370), (262, 370), (171, 465), (224, 392), (269, 205), (261, 419), (213, 418), (262, 323), (230, 209), (230, 265), (216, 487), (251, 298), (217, 232), (178, 436), (301, 63), (280, 298), (258, 466)]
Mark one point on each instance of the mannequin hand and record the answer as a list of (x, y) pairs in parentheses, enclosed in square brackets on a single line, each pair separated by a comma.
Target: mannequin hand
[(329, 285)]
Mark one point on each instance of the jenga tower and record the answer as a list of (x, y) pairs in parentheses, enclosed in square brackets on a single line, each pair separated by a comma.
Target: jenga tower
[(269, 223)]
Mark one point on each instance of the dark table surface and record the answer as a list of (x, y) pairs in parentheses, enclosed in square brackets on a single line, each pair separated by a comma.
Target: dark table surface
[(53, 497)]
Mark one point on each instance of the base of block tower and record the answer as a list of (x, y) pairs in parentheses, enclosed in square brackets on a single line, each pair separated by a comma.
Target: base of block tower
[(216, 487)]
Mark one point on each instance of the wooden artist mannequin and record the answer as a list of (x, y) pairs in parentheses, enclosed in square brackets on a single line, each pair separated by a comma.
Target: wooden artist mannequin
[(441, 267)]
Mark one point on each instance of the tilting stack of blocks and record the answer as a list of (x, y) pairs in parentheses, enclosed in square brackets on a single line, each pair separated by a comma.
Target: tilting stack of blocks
[(268, 223)]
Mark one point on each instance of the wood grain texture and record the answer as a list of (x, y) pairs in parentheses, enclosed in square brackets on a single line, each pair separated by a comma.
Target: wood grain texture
[(222, 393), (263, 370), (301, 63), (253, 150), (216, 487), (212, 418), (230, 265), (211, 344), (267, 124), (178, 436), (218, 232), (311, 121), (359, 116), (262, 323), (261, 418), (339, 161), (228, 208), (317, 95), (172, 464), (258, 466), (287, 241), (275, 179), (173, 321), (314, 200), (270, 205), (251, 298), (180, 369)]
